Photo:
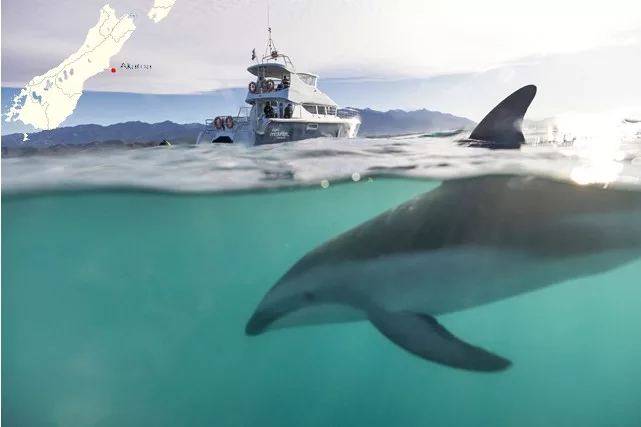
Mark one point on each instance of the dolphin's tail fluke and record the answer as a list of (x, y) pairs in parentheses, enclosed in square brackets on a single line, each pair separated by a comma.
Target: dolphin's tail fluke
[(501, 127)]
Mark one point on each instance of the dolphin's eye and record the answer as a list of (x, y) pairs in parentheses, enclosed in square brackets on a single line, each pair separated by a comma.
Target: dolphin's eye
[(308, 296)]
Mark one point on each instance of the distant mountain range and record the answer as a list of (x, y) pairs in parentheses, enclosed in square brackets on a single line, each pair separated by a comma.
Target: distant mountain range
[(396, 122), (128, 132), (137, 134)]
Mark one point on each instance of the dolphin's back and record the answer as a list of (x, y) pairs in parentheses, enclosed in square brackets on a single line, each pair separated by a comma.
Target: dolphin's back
[(517, 213)]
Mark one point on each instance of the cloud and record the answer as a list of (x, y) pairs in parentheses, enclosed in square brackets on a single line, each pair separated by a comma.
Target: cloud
[(204, 46)]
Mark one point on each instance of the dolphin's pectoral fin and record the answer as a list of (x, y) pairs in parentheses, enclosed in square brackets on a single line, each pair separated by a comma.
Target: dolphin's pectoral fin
[(423, 336)]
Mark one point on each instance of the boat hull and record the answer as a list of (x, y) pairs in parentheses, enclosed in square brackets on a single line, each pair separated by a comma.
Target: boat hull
[(277, 132), (280, 130)]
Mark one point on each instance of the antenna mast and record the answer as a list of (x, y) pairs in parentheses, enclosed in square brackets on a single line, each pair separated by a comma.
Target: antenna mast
[(271, 47)]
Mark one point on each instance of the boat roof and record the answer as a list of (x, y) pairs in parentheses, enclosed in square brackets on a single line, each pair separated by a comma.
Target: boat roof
[(275, 69), (272, 69)]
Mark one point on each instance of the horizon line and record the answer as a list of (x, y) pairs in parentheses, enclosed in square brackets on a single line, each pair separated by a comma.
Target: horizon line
[(201, 123)]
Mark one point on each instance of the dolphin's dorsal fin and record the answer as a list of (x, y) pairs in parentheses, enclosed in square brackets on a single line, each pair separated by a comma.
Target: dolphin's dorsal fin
[(502, 125)]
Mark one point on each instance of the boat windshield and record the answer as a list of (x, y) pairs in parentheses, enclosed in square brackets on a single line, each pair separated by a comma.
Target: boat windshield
[(308, 79)]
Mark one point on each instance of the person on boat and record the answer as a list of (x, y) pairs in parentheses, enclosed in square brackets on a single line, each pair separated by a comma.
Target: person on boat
[(269, 110), (289, 110)]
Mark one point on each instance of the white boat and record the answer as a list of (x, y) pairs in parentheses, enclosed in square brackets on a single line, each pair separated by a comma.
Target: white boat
[(299, 109)]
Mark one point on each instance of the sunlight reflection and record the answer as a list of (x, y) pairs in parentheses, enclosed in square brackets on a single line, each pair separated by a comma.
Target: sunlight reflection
[(596, 139), (603, 173)]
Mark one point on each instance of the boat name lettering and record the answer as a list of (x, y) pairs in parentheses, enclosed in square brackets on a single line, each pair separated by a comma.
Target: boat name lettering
[(277, 133)]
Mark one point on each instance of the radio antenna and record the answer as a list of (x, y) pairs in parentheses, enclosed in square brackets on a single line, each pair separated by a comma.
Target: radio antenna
[(271, 47)]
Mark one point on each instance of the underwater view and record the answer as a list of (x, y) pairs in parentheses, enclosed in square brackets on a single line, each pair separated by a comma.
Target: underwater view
[(500, 288)]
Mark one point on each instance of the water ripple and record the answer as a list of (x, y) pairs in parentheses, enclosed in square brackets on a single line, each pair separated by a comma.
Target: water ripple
[(230, 168)]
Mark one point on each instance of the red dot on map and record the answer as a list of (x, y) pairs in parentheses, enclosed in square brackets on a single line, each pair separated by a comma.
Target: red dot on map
[(113, 70)]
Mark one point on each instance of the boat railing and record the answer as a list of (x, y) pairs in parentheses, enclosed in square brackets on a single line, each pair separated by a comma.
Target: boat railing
[(262, 88), (242, 117), (347, 113), (209, 125), (274, 56), (243, 114)]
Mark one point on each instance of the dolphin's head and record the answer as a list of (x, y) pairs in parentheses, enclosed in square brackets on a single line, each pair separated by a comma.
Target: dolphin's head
[(282, 300)]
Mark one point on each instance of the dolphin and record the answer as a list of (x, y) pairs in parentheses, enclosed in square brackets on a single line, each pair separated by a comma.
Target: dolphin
[(501, 127), (469, 242)]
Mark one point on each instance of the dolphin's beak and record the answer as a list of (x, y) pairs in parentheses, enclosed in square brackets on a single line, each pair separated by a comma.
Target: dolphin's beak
[(261, 319), (271, 310)]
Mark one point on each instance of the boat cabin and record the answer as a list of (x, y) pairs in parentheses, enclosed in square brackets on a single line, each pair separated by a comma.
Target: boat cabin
[(289, 94), (275, 77), (279, 110), (271, 76)]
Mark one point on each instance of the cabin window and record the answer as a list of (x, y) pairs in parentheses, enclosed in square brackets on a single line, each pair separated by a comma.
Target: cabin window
[(331, 111), (310, 108), (321, 110), (307, 79)]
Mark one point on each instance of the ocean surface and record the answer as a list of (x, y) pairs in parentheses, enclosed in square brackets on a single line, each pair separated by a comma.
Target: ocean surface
[(128, 277)]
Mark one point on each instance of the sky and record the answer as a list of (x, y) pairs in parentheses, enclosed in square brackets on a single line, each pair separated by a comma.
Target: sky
[(456, 56)]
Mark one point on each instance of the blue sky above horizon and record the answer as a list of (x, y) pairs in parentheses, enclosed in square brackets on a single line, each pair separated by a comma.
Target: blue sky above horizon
[(583, 58)]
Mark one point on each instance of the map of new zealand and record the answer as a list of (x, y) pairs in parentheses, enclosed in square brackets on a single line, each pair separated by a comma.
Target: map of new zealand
[(49, 99)]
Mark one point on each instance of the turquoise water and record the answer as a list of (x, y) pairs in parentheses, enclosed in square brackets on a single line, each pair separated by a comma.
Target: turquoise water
[(125, 307)]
